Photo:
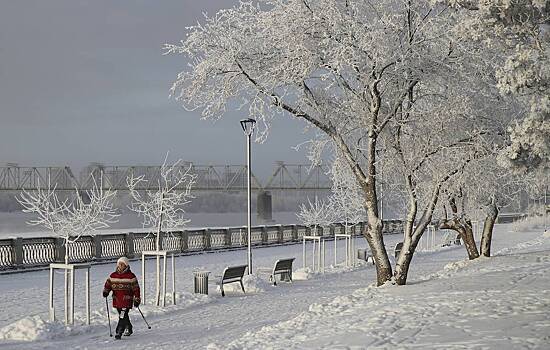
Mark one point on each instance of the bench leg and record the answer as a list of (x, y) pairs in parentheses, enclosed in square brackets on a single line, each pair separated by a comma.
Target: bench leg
[(273, 279), (221, 287), (242, 286)]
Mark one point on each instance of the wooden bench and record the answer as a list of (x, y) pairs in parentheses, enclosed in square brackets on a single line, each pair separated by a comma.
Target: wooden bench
[(282, 267), (232, 274)]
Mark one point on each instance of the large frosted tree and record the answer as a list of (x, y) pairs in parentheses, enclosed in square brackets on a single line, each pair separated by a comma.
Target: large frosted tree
[(520, 31), (349, 68)]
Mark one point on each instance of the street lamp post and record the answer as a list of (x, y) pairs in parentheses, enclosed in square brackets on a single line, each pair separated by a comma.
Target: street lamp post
[(248, 128)]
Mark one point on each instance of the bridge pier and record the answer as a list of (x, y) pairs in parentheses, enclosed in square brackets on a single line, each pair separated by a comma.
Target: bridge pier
[(264, 207)]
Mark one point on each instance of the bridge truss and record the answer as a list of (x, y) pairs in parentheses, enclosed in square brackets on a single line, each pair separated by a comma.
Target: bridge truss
[(227, 178)]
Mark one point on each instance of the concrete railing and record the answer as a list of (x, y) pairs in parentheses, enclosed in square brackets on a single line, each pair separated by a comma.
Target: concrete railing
[(23, 253)]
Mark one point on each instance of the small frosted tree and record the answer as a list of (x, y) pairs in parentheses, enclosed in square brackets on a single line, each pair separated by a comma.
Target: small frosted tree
[(318, 213), (71, 217), (162, 208), (346, 199)]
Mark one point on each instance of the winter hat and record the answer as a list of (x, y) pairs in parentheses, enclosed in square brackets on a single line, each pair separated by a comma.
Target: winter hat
[(123, 260)]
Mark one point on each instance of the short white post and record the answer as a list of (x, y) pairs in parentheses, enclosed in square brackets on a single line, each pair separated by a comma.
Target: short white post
[(353, 253), (335, 251), (72, 295), (143, 277), (304, 252), (322, 243), (164, 280), (52, 310), (87, 296), (66, 295), (173, 280), (313, 261)]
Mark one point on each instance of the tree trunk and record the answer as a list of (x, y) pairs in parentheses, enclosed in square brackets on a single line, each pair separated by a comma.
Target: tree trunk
[(409, 246), (373, 234), (464, 230), (469, 241), (487, 236), (404, 260)]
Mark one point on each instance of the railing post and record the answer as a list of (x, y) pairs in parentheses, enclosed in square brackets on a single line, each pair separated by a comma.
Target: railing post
[(60, 250), (264, 234), (184, 241), (206, 236), (18, 257), (97, 246), (129, 245), (161, 238), (227, 242), (294, 232), (280, 234)]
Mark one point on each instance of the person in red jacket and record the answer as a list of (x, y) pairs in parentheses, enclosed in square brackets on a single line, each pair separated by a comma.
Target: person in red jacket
[(126, 294)]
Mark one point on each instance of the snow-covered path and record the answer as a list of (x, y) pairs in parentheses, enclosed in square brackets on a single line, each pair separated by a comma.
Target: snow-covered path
[(497, 302)]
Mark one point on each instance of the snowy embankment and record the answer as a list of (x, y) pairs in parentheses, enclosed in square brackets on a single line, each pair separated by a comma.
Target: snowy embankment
[(450, 303)]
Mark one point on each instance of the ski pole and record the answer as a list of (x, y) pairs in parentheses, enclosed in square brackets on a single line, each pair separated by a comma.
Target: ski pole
[(108, 317), (143, 318)]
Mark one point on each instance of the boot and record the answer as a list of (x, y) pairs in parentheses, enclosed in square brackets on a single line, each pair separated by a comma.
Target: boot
[(128, 332)]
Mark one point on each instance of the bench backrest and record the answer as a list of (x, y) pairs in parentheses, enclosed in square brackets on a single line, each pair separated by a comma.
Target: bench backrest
[(283, 265), (234, 272)]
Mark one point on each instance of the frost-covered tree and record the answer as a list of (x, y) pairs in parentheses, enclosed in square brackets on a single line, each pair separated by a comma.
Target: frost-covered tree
[(519, 31), (162, 207), (488, 187), (70, 217), (348, 70), (346, 199), (318, 213)]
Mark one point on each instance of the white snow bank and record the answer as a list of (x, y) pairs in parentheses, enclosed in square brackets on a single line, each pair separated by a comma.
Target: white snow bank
[(34, 328), (303, 274), (524, 245), (252, 284), (530, 223)]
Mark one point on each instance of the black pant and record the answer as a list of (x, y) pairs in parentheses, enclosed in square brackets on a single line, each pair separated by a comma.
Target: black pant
[(123, 321)]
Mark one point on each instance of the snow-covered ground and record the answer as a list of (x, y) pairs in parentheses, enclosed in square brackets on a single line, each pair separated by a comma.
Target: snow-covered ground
[(502, 302)]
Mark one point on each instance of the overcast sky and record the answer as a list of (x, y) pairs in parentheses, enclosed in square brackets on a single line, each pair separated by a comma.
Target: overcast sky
[(85, 81)]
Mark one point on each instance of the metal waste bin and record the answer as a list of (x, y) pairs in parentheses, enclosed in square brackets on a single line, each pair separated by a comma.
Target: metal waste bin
[(201, 282)]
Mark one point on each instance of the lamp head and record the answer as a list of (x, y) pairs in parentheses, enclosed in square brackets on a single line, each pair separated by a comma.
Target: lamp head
[(248, 126)]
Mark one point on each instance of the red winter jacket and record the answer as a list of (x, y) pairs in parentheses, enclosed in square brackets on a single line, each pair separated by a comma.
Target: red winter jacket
[(125, 289)]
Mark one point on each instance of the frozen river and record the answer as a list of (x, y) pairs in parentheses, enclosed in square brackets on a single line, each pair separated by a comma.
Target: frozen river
[(15, 224)]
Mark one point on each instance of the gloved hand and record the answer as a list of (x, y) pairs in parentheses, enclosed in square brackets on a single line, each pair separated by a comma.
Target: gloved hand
[(137, 302), (105, 294)]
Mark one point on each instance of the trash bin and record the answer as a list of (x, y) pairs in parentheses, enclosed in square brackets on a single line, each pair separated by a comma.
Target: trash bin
[(362, 254), (201, 282)]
